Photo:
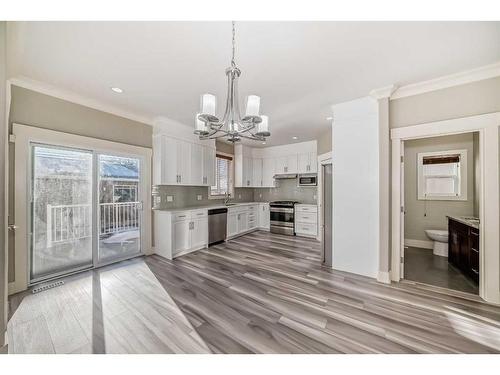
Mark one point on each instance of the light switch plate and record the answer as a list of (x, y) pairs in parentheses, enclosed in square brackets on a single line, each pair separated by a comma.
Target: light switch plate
[(199, 197), (170, 198), (239, 196)]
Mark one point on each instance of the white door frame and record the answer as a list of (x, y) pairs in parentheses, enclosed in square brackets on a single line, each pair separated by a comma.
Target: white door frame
[(323, 159), (23, 136), (488, 127)]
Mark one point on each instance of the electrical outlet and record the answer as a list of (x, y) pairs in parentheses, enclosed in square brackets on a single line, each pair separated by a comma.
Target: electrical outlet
[(239, 196), (199, 197), (170, 198), (314, 196), (260, 195), (157, 200)]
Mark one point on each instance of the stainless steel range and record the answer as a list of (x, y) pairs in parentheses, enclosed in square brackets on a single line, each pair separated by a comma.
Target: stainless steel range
[(282, 217)]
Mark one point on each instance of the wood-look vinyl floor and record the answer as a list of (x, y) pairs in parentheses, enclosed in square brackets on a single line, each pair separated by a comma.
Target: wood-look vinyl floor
[(268, 293), (117, 309)]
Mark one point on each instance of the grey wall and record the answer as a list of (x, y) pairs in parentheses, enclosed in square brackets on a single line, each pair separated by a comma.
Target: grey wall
[(415, 219), (224, 147), (44, 111), (454, 102), (325, 141), (3, 131)]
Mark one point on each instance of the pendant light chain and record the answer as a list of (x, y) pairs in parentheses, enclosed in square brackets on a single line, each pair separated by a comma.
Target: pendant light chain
[(234, 45)]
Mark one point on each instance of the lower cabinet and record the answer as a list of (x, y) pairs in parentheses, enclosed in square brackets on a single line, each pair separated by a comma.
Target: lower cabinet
[(306, 220), (180, 232), (463, 248), (264, 218), (245, 218)]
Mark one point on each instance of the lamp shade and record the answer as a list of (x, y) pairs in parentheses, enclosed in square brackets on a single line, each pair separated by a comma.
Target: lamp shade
[(253, 105), (200, 127), (208, 104), (263, 127)]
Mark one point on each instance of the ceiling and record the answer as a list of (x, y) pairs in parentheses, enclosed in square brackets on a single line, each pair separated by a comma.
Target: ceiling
[(298, 68)]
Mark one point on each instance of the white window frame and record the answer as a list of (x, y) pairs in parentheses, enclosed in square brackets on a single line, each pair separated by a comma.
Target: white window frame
[(231, 177), (462, 176)]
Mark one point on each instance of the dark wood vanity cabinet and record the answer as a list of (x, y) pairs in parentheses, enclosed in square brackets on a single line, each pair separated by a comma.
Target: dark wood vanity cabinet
[(463, 248)]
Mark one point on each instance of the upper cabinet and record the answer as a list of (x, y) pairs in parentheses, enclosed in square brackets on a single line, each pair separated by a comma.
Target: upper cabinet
[(307, 162), (256, 167), (180, 162)]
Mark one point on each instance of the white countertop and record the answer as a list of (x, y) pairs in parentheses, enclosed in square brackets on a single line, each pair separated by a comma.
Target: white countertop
[(467, 220), (209, 206)]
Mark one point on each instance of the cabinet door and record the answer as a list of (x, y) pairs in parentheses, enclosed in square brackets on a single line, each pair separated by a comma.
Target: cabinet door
[(232, 224), (454, 245), (169, 162), (264, 216), (196, 167), (243, 222), (303, 163), (257, 172), (199, 233), (313, 162), (209, 166), (247, 171), (281, 165), (181, 236), (291, 163), (184, 161), (268, 172)]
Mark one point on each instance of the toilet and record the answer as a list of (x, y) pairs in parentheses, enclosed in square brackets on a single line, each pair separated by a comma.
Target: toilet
[(440, 238)]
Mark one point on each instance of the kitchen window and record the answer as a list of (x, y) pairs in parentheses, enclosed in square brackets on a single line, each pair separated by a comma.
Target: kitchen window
[(223, 176), (442, 175)]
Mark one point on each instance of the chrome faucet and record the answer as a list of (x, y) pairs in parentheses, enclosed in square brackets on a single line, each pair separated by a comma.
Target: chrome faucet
[(227, 196)]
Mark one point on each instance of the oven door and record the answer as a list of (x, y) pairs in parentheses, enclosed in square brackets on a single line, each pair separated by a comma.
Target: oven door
[(282, 216)]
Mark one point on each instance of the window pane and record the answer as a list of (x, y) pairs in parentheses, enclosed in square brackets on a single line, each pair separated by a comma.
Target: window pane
[(450, 169), (221, 177), (440, 186)]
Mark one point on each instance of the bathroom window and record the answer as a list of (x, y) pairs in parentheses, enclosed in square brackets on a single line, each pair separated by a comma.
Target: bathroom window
[(223, 176), (442, 175)]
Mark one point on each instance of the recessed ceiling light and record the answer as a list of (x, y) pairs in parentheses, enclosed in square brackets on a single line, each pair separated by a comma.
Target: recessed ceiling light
[(329, 118), (117, 90), (263, 143), (295, 137)]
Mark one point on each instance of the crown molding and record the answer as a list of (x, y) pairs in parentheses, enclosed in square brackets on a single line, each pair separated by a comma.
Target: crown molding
[(47, 89), (457, 79), (383, 92)]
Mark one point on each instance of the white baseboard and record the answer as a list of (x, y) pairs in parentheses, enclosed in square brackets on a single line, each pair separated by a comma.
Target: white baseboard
[(384, 277), (419, 243)]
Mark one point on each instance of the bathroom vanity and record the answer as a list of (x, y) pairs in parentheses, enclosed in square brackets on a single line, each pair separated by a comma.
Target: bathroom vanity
[(463, 252)]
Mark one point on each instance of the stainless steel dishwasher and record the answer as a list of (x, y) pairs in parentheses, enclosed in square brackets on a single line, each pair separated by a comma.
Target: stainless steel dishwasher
[(217, 223)]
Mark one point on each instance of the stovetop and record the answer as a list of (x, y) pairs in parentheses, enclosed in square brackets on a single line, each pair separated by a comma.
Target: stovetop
[(283, 203)]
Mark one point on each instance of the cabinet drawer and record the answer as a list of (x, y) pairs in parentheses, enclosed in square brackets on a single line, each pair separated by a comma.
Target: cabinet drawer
[(306, 217), (301, 208), (180, 216), (306, 229), (198, 214)]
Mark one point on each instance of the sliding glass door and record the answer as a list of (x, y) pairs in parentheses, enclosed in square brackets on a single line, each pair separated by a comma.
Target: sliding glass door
[(86, 210), (61, 211), (120, 208)]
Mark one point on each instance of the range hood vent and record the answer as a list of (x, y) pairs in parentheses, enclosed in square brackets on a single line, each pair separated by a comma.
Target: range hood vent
[(285, 176)]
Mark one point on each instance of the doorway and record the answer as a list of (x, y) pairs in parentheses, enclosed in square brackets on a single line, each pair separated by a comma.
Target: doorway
[(327, 210), (80, 203), (441, 211)]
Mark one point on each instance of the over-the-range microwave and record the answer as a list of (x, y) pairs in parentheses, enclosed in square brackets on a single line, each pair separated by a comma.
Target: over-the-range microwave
[(310, 179)]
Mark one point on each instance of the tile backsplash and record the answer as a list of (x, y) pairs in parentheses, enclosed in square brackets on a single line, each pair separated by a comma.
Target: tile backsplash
[(287, 189), (187, 196)]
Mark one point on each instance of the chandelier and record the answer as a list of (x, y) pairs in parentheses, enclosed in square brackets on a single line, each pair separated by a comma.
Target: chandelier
[(232, 126)]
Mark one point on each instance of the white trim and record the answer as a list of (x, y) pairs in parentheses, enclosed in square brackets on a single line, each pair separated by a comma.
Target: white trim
[(489, 258), (383, 92), (384, 277), (47, 89), (325, 158), (27, 134), (419, 243), (457, 79)]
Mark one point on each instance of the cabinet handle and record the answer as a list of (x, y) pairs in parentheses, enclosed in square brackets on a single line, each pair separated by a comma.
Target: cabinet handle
[(475, 271), (477, 251), (474, 233)]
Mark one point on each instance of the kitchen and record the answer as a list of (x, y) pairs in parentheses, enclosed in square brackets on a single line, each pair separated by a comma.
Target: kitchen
[(267, 188)]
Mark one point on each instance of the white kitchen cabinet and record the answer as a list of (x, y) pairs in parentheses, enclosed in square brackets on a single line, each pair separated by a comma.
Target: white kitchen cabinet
[(209, 160), (196, 175), (306, 220), (242, 222), (257, 172), (180, 162), (247, 171), (286, 164), (281, 165), (232, 224), (268, 172), (307, 162), (180, 232), (264, 216)]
